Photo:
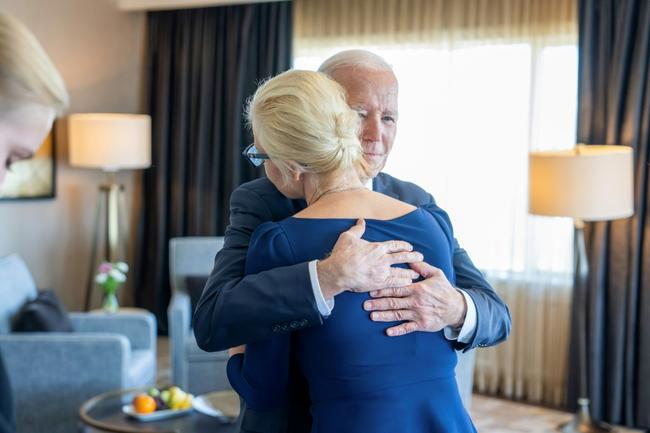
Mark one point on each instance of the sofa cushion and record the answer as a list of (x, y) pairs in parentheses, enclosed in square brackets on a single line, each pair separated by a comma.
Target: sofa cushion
[(16, 287), (46, 313)]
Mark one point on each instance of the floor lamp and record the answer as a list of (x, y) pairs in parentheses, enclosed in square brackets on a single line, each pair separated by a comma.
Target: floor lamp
[(110, 142), (586, 183)]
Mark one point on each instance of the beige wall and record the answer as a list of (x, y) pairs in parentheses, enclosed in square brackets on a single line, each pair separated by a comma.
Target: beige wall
[(99, 50)]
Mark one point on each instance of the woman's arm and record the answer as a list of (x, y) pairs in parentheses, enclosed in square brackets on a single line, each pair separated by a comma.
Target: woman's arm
[(259, 372)]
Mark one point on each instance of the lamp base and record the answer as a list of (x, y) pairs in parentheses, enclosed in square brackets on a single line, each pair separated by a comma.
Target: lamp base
[(575, 426), (582, 422)]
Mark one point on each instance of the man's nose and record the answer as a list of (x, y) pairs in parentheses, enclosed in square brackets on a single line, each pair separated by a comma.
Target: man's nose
[(371, 129)]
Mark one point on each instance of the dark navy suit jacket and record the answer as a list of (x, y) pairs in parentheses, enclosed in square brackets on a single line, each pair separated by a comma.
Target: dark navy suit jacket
[(234, 310)]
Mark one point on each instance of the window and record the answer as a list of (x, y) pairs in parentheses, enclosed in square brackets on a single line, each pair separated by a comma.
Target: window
[(475, 112)]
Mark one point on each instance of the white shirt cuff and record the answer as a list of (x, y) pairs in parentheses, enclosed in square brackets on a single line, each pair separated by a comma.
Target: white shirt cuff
[(324, 307), (464, 335)]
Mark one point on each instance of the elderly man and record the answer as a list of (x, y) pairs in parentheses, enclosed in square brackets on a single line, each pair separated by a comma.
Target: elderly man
[(235, 309)]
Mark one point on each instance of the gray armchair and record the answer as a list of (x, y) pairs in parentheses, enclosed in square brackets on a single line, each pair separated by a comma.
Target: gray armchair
[(192, 368), (52, 374)]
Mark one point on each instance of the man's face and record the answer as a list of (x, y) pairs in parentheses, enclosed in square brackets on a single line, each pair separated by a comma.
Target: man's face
[(21, 133), (373, 94)]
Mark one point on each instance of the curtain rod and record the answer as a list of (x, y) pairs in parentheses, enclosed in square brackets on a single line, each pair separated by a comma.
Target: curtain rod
[(150, 5)]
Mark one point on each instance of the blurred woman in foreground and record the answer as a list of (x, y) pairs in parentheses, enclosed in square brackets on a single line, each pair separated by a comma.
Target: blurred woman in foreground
[(32, 93)]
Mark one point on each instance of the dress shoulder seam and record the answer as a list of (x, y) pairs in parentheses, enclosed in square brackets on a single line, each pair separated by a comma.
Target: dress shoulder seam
[(286, 237)]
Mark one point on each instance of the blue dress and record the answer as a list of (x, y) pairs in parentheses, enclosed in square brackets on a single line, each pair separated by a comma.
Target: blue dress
[(360, 380)]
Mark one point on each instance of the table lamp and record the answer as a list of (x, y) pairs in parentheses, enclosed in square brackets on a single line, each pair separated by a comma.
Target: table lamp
[(586, 183), (109, 142)]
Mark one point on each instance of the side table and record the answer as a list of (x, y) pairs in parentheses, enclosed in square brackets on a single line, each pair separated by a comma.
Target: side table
[(103, 413)]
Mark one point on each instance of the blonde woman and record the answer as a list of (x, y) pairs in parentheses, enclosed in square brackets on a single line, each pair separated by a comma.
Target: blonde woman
[(31, 94), (360, 380)]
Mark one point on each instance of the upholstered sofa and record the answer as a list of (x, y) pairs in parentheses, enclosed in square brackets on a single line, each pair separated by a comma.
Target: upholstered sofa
[(52, 374)]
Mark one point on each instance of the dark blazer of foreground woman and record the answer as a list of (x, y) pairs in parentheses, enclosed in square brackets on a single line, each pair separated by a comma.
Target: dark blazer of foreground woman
[(235, 310), (7, 421)]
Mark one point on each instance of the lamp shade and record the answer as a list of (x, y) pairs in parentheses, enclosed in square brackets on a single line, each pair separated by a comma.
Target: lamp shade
[(110, 141), (591, 183)]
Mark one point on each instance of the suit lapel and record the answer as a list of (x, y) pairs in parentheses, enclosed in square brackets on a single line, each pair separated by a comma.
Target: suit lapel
[(380, 184)]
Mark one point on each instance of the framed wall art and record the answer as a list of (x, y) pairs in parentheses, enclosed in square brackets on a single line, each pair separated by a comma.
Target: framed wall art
[(34, 178)]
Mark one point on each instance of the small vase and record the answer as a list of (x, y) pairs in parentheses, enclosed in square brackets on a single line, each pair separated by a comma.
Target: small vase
[(110, 304)]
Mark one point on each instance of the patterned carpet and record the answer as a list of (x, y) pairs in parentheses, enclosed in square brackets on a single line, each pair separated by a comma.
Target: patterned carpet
[(491, 415)]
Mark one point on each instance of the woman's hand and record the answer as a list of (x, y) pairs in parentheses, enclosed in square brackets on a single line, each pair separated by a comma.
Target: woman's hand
[(235, 350)]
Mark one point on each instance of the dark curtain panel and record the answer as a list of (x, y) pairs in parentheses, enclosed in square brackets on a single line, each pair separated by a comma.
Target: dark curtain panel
[(614, 108), (203, 64)]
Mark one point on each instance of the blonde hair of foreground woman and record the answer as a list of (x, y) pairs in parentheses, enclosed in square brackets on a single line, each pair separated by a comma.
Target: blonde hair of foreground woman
[(303, 121), (26, 72)]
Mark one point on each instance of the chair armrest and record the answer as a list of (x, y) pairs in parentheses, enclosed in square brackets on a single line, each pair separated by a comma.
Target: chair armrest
[(179, 316), (52, 374), (179, 313), (138, 326), (65, 361)]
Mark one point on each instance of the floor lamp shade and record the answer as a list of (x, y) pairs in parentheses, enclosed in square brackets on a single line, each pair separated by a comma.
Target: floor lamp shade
[(589, 183), (110, 141)]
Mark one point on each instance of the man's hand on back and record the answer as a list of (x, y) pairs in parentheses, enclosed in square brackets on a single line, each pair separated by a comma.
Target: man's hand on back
[(361, 266), (428, 305)]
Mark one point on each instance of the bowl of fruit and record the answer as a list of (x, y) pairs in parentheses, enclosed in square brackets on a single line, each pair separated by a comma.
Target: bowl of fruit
[(159, 403)]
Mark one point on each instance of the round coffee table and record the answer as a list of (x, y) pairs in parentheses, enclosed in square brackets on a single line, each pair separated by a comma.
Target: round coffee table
[(103, 413)]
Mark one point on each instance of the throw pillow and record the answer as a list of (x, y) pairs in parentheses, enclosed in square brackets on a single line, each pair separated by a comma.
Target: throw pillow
[(43, 314)]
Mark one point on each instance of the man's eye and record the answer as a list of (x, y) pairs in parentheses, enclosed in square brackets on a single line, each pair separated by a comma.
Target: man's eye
[(388, 119)]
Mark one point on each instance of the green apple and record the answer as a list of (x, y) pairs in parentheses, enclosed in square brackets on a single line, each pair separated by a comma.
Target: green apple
[(165, 397)]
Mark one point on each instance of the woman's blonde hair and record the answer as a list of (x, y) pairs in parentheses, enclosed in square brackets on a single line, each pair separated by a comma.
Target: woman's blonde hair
[(26, 72), (302, 117)]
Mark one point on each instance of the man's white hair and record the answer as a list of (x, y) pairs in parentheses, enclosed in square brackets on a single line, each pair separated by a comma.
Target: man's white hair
[(354, 59)]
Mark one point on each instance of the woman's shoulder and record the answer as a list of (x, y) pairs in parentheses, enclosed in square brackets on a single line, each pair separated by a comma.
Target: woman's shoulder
[(269, 248), (269, 232), (367, 204)]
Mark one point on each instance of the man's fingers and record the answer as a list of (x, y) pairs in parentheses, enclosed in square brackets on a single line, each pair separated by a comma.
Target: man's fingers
[(397, 281), (392, 292), (407, 274), (358, 229), (404, 328), (396, 246), (384, 304), (425, 269), (392, 316), (405, 257)]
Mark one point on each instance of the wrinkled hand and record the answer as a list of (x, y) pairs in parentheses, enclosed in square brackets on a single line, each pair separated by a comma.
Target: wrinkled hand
[(428, 305), (361, 266), (235, 350)]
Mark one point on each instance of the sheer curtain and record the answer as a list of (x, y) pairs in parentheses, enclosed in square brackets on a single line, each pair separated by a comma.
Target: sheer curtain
[(482, 82)]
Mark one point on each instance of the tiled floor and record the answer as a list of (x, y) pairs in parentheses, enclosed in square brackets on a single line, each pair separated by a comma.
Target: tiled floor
[(491, 415)]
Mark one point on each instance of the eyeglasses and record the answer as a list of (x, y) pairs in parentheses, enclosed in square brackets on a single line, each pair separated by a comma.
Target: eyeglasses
[(253, 156)]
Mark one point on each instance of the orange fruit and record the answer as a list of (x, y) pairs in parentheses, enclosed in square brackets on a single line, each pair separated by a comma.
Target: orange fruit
[(143, 403)]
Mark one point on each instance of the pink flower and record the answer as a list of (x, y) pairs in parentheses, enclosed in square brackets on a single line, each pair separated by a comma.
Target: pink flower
[(105, 268)]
